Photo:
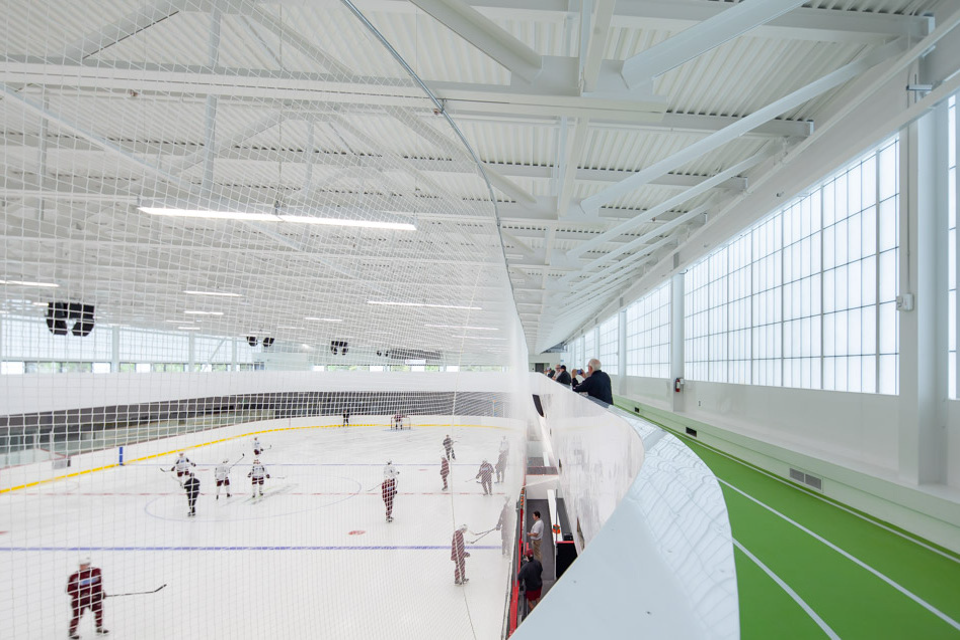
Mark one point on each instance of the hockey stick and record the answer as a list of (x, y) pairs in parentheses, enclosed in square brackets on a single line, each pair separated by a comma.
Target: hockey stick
[(238, 460), (481, 535), (135, 593)]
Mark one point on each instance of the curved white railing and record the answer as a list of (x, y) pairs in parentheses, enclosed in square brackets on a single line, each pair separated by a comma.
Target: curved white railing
[(656, 552)]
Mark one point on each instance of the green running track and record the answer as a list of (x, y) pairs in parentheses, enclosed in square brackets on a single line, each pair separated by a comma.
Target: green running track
[(808, 567)]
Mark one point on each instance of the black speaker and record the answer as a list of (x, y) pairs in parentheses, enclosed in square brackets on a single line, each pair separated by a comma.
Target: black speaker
[(59, 312), (338, 347), (267, 342), (252, 341)]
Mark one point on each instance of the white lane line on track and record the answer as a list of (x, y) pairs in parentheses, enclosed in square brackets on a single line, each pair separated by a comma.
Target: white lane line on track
[(923, 603), (793, 594)]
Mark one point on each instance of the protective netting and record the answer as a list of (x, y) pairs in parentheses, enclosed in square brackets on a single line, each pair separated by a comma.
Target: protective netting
[(234, 220)]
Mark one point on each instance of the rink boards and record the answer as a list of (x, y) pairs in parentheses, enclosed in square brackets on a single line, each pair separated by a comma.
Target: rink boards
[(313, 558)]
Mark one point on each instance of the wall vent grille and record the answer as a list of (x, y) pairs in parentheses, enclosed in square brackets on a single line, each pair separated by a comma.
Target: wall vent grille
[(807, 479)]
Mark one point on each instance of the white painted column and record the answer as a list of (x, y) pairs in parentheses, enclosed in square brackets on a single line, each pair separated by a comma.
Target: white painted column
[(676, 338), (923, 337), (233, 354), (115, 349), (191, 352), (622, 350)]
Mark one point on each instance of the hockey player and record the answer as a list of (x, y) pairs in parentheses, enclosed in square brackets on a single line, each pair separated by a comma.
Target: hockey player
[(389, 487), (501, 465), (182, 465), (346, 418), (459, 555), (444, 470), (86, 592), (257, 447), (448, 446), (505, 525), (485, 474), (192, 487), (257, 473), (222, 474)]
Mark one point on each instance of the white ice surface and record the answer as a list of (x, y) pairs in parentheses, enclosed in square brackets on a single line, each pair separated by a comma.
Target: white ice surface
[(314, 558)]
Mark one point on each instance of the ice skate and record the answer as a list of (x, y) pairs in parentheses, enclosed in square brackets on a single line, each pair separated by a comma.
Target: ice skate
[(389, 518), (102, 632), (74, 636)]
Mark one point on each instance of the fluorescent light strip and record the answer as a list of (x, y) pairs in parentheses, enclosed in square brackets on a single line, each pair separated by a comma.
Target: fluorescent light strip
[(324, 319), (421, 304), (456, 326), (286, 327), (345, 222), (213, 293), (27, 283), (189, 328), (204, 313), (271, 217)]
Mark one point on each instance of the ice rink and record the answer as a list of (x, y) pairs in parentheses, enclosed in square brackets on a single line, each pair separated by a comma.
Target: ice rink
[(313, 558)]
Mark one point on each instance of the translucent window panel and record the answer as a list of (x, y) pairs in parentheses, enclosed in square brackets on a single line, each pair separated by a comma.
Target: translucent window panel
[(842, 246), (854, 238), (888, 224), (952, 199), (888, 172), (608, 349), (888, 276), (869, 176), (30, 339), (213, 349), (888, 328), (868, 232), (854, 186), (827, 200), (590, 345), (841, 197)]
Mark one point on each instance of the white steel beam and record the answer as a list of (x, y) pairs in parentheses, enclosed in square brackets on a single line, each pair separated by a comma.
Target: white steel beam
[(642, 68), (720, 138), (668, 204), (811, 24), (300, 43), (592, 52), (485, 35), (131, 24)]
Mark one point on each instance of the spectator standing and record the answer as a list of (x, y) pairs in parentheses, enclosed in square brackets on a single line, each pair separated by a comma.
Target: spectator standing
[(536, 535), (531, 576), (597, 384)]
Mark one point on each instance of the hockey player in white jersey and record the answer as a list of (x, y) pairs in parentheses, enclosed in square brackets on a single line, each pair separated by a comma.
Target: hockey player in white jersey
[(257, 447), (257, 473), (182, 465), (222, 474)]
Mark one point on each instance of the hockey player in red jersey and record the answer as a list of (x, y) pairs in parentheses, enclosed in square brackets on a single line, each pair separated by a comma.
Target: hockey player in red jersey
[(444, 470), (86, 592), (389, 488), (459, 555)]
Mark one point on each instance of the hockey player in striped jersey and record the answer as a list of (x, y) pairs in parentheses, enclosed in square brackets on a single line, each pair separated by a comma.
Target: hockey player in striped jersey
[(389, 488), (257, 473), (222, 473)]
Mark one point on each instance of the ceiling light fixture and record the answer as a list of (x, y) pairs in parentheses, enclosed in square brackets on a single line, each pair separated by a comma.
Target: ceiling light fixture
[(204, 313), (286, 327), (189, 328), (323, 319), (27, 283), (213, 293), (423, 304), (253, 216)]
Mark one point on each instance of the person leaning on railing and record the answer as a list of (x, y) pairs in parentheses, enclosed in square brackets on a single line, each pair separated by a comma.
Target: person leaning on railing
[(597, 384)]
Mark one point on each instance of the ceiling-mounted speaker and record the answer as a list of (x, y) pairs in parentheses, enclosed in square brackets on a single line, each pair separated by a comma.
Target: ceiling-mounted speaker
[(267, 342), (84, 312), (252, 341), (338, 347), (58, 313)]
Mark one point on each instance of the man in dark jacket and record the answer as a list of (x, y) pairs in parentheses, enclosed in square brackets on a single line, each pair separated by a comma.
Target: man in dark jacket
[(192, 487), (597, 384), (530, 576), (563, 377), (86, 592)]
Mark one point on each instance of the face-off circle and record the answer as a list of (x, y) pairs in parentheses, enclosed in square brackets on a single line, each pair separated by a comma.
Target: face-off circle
[(357, 533)]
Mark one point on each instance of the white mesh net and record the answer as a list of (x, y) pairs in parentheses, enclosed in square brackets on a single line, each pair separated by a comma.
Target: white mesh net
[(234, 220)]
